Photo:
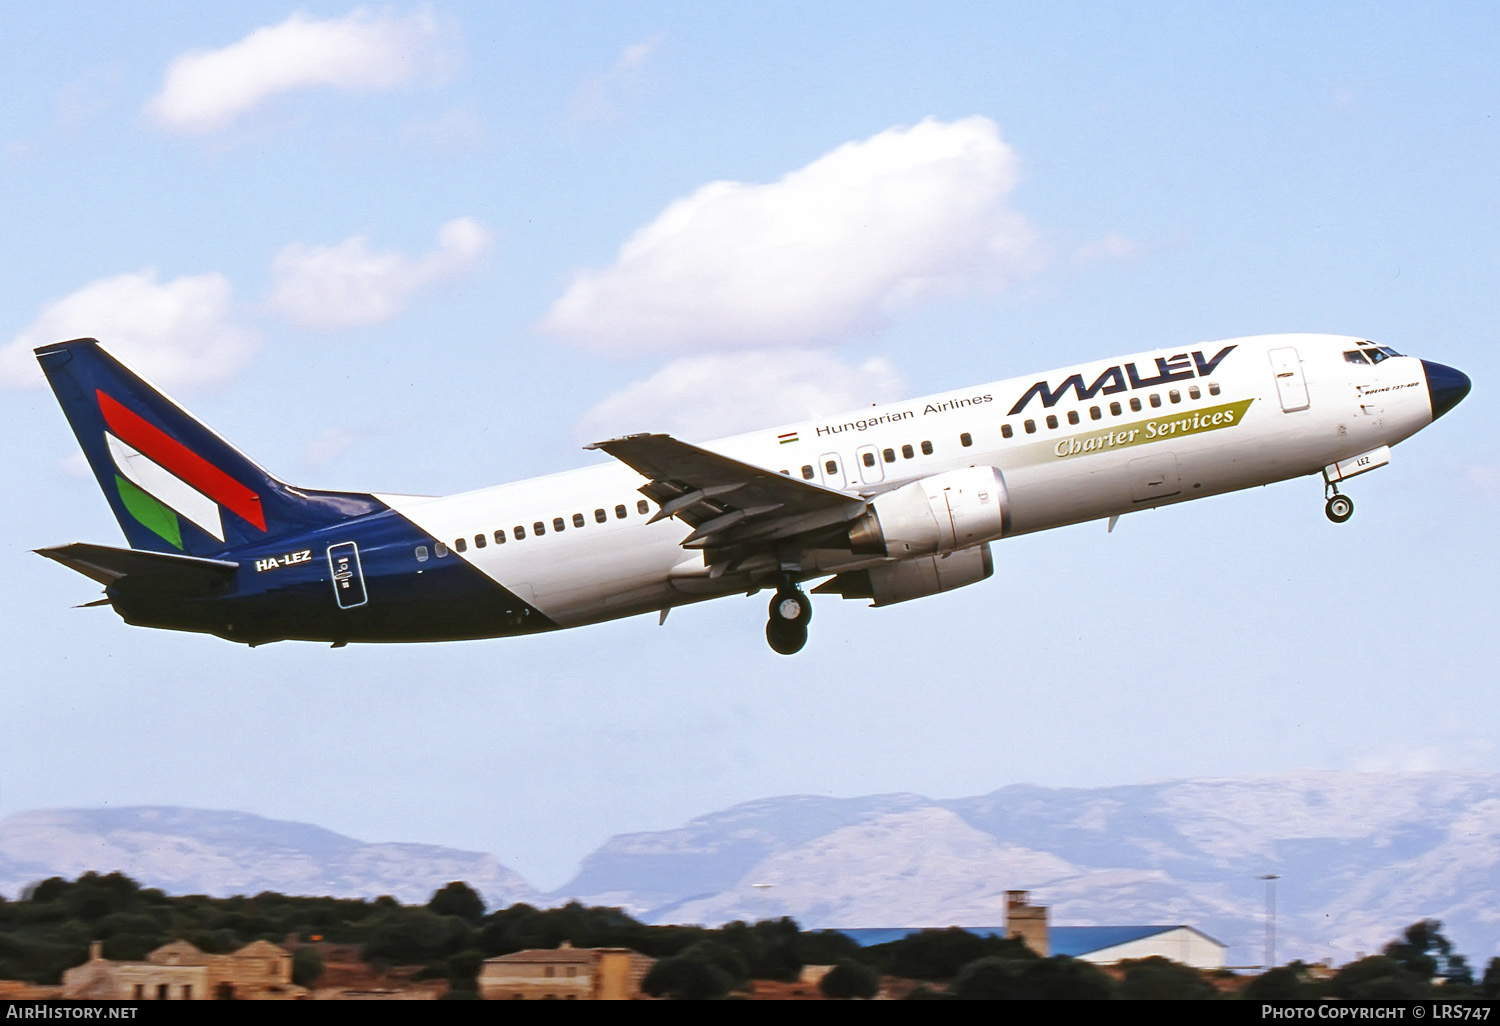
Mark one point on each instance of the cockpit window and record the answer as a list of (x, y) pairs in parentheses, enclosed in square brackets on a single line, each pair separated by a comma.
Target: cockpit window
[(1388, 351), (1355, 356), (1376, 355)]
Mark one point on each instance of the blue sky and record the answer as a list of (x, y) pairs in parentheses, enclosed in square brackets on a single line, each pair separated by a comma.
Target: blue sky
[(426, 249)]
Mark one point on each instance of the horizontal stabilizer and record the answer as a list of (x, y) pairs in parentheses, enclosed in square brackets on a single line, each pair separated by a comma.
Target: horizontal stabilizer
[(161, 571)]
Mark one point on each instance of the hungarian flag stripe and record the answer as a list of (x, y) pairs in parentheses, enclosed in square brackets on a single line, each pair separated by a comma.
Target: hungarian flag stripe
[(165, 487), (170, 454), (155, 516)]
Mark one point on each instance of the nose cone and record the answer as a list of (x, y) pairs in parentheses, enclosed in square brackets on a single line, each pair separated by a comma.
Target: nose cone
[(1445, 387)]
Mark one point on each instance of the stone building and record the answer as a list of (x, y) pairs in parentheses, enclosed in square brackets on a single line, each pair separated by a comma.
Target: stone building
[(179, 971), (565, 974)]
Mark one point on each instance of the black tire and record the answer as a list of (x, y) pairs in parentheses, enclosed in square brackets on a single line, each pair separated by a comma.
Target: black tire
[(1339, 508), (780, 607), (785, 638)]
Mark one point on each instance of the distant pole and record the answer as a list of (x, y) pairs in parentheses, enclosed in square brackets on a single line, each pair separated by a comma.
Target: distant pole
[(764, 889), (1270, 879)]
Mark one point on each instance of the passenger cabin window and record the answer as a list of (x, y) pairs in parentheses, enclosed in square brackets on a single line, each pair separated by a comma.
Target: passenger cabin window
[(1155, 400), (807, 472), (641, 507), (829, 466), (868, 459), (1005, 431), (1175, 396), (577, 519), (600, 516), (1030, 427), (479, 541), (965, 439), (889, 455), (926, 448), (620, 512), (538, 528), (500, 537), (421, 553), (1095, 413), (459, 545), (907, 452), (557, 523), (1213, 388), (520, 532), (1194, 392), (1114, 409), (1072, 416), (1135, 404), (439, 549), (1052, 421)]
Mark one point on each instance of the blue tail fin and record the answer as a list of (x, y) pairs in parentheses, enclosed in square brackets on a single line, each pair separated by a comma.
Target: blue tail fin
[(173, 484)]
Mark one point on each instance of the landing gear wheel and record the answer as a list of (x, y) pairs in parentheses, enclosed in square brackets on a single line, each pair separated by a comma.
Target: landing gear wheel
[(1339, 508), (790, 612), (791, 606), (786, 638)]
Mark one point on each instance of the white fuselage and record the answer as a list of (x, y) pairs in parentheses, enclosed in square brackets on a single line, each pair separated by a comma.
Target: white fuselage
[(1122, 434)]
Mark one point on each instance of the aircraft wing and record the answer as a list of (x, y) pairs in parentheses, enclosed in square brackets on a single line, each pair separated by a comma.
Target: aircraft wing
[(185, 575), (727, 502)]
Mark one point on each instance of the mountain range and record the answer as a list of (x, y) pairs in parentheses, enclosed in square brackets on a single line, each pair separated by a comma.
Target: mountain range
[(1357, 857)]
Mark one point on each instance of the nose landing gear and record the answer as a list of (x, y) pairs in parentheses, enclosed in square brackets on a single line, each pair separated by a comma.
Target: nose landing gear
[(791, 611)]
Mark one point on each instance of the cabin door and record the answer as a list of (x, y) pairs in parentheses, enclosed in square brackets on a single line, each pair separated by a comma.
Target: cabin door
[(1291, 386)]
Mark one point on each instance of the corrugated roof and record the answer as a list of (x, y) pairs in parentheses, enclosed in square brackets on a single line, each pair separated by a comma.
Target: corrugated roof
[(1082, 940)]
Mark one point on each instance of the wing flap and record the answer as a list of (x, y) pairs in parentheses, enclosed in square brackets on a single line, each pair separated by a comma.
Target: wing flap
[(724, 500)]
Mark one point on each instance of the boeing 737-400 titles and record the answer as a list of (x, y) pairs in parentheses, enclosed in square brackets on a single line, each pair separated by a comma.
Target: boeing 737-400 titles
[(889, 503)]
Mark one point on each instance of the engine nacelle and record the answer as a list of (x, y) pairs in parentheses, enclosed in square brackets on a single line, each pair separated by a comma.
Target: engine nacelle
[(914, 578), (946, 512)]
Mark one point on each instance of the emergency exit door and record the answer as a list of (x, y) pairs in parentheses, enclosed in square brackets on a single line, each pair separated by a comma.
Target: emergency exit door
[(348, 578)]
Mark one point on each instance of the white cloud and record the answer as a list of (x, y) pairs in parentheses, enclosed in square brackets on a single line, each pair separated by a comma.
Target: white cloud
[(831, 249), (350, 284), (599, 97), (1108, 247), (174, 333), (717, 394), (205, 90)]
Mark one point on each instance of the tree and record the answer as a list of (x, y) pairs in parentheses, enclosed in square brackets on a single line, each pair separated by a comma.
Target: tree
[(693, 975), (1031, 979), (1284, 983), (307, 966), (1489, 987), (1426, 954), (940, 954), (458, 899), (1376, 978), (850, 979), (1157, 978)]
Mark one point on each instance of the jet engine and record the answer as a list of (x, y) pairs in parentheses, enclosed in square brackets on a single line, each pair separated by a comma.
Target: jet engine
[(913, 578), (939, 514)]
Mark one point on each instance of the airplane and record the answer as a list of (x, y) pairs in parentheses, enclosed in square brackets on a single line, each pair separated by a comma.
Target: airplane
[(890, 503)]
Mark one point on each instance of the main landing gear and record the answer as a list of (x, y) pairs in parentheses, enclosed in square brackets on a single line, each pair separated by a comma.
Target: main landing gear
[(791, 611), (1339, 507)]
